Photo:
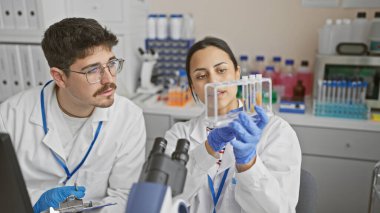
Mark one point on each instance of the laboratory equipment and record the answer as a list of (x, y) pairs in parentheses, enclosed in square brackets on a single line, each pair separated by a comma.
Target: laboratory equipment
[(374, 198), (149, 60), (73, 204), (14, 196), (342, 100), (171, 58), (255, 91), (351, 68), (161, 178)]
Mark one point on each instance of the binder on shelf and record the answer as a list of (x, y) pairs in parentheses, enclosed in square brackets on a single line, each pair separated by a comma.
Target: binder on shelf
[(5, 83), (40, 66), (7, 14), (32, 14), (16, 77), (19, 11), (27, 66)]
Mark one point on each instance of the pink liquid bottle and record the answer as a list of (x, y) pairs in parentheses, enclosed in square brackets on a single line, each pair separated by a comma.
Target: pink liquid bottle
[(288, 78), (306, 76), (276, 62)]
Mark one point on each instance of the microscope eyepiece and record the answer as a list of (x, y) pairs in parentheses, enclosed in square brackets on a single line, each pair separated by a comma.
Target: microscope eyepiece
[(159, 146), (181, 151)]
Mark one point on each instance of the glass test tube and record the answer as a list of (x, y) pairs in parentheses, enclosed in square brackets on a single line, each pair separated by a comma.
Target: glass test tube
[(333, 93), (344, 90), (329, 87), (324, 88), (354, 92), (245, 94), (349, 91), (364, 91), (252, 98), (339, 91), (259, 90)]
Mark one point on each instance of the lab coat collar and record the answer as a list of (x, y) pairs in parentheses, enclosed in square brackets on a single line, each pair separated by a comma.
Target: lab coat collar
[(51, 139)]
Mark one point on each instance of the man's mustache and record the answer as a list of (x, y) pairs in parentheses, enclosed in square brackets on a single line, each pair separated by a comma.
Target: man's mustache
[(105, 88)]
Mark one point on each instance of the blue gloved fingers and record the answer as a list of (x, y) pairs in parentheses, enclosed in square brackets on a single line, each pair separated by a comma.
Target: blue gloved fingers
[(80, 192), (248, 123), (237, 144), (244, 152), (236, 110), (263, 117), (241, 132), (219, 137)]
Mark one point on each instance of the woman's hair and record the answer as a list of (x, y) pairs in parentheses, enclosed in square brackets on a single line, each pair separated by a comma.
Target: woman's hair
[(202, 44)]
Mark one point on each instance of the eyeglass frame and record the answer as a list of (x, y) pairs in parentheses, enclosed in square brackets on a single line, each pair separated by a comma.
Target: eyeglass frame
[(102, 69)]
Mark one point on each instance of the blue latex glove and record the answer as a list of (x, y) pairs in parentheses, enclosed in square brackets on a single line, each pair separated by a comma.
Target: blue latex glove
[(219, 137), (53, 197), (248, 132)]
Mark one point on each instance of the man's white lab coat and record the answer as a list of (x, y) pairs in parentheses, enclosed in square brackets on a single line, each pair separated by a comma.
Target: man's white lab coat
[(271, 185), (112, 166)]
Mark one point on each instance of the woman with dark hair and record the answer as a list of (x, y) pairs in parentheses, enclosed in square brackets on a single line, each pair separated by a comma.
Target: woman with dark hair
[(251, 165)]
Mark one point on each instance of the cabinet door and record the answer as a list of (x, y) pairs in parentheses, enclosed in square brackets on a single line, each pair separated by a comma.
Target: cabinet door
[(343, 185)]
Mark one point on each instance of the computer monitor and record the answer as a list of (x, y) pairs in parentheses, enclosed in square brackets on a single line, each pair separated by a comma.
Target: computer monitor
[(14, 197)]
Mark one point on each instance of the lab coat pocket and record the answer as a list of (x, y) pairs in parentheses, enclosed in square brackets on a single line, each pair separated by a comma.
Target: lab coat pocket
[(96, 183)]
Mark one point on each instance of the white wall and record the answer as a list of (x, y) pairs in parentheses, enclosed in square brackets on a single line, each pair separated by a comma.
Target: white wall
[(269, 27)]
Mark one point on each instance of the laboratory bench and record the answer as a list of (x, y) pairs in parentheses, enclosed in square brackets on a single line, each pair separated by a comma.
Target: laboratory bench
[(339, 153)]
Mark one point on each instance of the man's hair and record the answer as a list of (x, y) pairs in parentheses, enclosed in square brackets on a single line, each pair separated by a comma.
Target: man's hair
[(74, 38)]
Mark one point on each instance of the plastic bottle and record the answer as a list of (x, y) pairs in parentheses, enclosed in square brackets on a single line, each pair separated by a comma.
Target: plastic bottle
[(187, 26), (306, 76), (336, 35), (360, 28), (276, 62), (176, 26), (244, 65), (325, 34), (288, 78), (374, 36), (346, 31), (162, 27), (259, 65), (152, 26)]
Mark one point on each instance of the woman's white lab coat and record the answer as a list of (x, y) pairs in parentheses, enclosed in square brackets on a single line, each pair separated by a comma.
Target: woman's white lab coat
[(271, 185), (112, 166)]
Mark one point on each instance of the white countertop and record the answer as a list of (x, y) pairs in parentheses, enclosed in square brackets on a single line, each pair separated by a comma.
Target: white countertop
[(150, 105)]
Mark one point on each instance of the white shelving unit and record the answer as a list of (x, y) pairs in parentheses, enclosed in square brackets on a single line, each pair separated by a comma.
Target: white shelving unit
[(125, 18)]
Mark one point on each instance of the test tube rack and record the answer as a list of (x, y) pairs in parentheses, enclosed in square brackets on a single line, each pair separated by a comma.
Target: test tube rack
[(339, 110), (255, 91)]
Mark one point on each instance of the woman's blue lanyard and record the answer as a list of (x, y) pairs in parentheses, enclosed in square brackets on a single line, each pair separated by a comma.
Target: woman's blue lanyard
[(211, 186), (69, 175)]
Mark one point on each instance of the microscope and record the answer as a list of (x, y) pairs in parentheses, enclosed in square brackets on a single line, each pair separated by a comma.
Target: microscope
[(161, 178)]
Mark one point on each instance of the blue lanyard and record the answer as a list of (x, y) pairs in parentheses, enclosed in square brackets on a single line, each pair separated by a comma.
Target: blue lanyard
[(63, 165), (211, 186)]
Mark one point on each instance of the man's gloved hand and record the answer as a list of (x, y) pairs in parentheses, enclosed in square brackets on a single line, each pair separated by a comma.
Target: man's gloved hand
[(219, 137), (53, 197), (248, 132)]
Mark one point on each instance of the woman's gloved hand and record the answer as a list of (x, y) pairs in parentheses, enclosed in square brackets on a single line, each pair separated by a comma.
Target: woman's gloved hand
[(53, 197), (219, 137), (248, 132)]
